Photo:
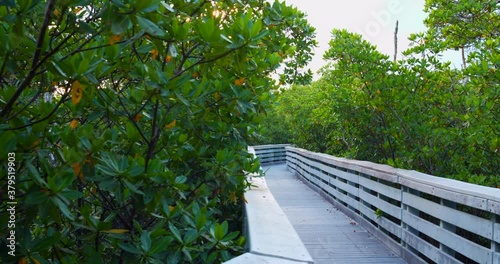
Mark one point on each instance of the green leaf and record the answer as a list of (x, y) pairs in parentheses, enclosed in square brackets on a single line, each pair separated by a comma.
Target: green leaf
[(86, 28), (261, 34), (132, 132), (138, 226), (190, 236), (106, 170), (256, 28), (219, 231), (86, 143), (161, 245), (221, 155), (207, 28), (180, 180), (62, 207), (8, 142), (130, 248), (183, 100), (71, 194), (231, 236), (120, 24), (147, 5), (35, 197), (47, 242), (175, 232), (36, 176), (226, 39), (132, 187), (135, 170), (119, 3), (102, 226), (145, 241), (187, 254), (183, 138), (150, 27), (8, 3), (201, 220), (61, 183)]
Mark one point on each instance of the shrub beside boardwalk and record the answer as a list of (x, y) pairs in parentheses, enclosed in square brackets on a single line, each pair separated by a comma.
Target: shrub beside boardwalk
[(129, 121)]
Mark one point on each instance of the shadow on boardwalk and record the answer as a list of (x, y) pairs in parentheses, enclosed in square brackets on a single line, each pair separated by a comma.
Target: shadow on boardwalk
[(328, 234)]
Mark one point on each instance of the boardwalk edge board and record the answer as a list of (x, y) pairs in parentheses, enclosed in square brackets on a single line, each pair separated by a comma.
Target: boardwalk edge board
[(271, 237)]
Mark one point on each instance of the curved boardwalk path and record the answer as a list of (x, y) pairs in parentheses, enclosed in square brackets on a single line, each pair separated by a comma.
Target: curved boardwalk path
[(328, 234)]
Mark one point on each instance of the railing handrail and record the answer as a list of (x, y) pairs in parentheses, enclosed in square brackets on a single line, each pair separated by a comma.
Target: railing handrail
[(482, 192), (423, 218)]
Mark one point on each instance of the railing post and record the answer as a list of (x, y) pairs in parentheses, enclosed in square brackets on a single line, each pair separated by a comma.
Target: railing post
[(404, 225), (448, 227), (495, 247)]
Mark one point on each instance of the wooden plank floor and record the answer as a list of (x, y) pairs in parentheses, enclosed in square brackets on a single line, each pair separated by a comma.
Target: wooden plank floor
[(328, 234)]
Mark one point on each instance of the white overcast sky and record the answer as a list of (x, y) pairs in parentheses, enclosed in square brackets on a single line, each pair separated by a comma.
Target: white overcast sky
[(374, 19)]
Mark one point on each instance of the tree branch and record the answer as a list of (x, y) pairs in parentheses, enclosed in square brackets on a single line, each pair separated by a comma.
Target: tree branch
[(46, 117), (34, 62)]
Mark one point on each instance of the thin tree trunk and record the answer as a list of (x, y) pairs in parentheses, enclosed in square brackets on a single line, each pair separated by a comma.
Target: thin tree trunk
[(463, 57), (396, 41)]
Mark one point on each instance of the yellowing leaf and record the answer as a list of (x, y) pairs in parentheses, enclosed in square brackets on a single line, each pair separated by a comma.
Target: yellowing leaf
[(171, 208), (77, 170), (114, 38), (154, 54), (76, 92), (232, 197), (138, 117), (35, 144), (22, 261), (73, 124), (56, 13), (171, 124), (168, 58), (217, 96), (116, 231), (239, 82), (243, 198)]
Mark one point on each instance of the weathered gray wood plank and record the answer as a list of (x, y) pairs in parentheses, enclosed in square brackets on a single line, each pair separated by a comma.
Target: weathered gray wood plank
[(328, 234)]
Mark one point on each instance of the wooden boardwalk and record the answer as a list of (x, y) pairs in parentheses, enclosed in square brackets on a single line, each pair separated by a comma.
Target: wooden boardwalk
[(328, 234)]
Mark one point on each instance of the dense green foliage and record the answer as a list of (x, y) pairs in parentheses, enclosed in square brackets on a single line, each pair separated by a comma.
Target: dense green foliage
[(417, 113), (129, 119)]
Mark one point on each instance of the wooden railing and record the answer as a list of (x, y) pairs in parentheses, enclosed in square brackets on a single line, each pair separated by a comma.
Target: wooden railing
[(271, 154), (421, 217)]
